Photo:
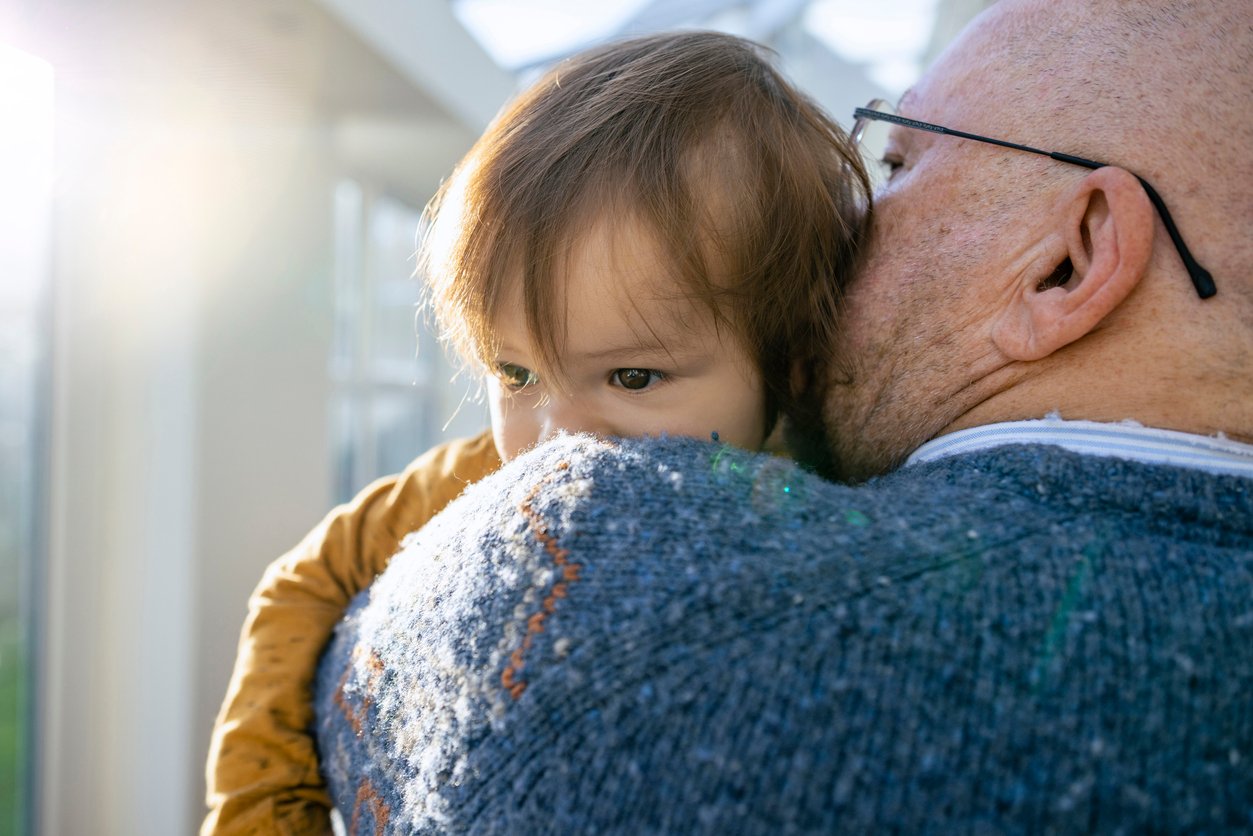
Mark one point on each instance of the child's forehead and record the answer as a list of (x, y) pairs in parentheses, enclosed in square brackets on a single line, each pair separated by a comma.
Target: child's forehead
[(614, 284), (622, 260)]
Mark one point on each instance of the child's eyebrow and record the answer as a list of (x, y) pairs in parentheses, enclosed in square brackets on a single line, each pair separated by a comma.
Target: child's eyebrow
[(643, 347)]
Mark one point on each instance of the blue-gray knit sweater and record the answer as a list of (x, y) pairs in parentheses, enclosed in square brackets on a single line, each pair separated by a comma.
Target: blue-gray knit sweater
[(673, 636)]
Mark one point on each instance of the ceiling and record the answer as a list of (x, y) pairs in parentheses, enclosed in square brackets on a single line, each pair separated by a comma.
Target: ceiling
[(889, 40), (402, 87)]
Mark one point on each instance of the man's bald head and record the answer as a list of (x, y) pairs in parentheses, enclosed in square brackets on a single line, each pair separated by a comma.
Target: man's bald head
[(1002, 285), (1159, 87)]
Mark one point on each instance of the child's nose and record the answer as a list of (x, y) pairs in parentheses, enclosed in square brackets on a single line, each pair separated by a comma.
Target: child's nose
[(568, 415)]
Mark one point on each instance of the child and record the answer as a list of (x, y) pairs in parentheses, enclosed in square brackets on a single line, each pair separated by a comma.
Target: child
[(650, 240)]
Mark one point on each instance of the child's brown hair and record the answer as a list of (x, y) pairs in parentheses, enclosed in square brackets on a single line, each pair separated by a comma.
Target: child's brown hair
[(760, 200)]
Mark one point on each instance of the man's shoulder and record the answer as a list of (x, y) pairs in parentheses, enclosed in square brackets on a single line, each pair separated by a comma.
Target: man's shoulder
[(642, 635), (658, 488)]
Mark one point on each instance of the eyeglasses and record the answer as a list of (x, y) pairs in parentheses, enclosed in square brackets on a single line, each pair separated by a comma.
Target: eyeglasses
[(880, 111)]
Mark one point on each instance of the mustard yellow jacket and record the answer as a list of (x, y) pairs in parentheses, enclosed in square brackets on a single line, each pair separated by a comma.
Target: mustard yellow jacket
[(262, 771)]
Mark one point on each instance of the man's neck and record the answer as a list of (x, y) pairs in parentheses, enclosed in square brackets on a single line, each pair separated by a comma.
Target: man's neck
[(1107, 395)]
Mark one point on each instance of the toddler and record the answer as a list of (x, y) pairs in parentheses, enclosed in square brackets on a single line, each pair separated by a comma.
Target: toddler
[(650, 240)]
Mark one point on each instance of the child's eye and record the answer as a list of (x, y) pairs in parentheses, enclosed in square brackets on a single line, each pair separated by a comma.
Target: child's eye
[(516, 377), (636, 379)]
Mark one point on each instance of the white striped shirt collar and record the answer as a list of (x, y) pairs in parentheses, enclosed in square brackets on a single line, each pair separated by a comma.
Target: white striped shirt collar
[(1125, 440)]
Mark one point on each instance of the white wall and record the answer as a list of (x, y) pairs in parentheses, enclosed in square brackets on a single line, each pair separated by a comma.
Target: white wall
[(190, 419), (197, 154)]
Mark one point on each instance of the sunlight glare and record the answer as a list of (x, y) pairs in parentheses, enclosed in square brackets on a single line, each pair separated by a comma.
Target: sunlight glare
[(516, 34), (890, 38), (26, 96)]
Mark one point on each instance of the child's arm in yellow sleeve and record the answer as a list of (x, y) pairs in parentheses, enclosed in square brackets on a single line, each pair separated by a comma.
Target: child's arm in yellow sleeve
[(262, 771)]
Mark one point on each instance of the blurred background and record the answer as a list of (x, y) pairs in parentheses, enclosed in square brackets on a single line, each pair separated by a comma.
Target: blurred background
[(208, 337)]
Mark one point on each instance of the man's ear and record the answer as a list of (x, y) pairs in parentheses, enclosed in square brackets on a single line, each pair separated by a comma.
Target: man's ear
[(1100, 250)]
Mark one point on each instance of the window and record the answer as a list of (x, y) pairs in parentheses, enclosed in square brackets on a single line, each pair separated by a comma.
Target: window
[(25, 212), (394, 392)]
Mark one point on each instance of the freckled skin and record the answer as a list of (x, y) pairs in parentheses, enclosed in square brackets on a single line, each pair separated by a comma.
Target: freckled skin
[(908, 342), (931, 337)]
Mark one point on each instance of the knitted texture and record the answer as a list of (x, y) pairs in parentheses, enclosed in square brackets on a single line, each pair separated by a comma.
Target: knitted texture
[(670, 636)]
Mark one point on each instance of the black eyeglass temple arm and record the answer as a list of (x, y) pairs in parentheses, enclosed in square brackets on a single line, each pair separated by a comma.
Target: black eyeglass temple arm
[(1201, 278)]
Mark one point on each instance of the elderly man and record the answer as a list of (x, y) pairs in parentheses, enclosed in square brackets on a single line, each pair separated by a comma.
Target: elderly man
[(1041, 618), (1005, 286)]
